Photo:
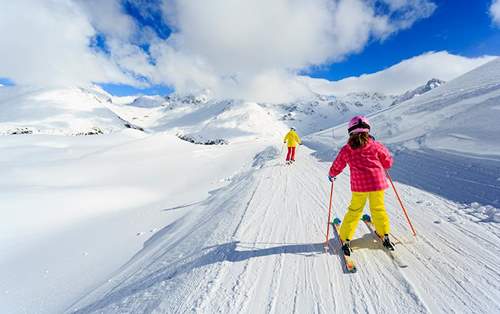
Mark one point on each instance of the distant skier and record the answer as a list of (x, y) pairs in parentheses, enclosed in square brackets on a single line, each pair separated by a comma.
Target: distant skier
[(292, 139), (367, 160)]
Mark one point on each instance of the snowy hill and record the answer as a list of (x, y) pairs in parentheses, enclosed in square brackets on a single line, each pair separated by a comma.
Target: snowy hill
[(460, 116), (430, 85), (68, 111), (313, 115), (446, 137), (148, 101), (198, 119)]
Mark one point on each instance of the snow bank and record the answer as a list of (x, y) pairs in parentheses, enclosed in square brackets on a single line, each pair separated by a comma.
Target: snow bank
[(481, 213)]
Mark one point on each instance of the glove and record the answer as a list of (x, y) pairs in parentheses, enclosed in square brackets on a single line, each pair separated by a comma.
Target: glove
[(332, 178)]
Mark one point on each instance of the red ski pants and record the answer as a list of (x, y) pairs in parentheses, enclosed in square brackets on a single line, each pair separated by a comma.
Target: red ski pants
[(291, 154)]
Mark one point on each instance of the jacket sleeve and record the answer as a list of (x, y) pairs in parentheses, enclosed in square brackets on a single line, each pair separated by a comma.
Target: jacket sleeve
[(385, 157), (298, 139), (285, 139), (339, 163)]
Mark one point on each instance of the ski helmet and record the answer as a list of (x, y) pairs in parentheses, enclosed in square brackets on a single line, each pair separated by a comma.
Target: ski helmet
[(358, 124), (292, 128)]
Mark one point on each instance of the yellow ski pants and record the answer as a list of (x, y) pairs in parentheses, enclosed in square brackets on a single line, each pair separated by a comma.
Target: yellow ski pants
[(379, 215)]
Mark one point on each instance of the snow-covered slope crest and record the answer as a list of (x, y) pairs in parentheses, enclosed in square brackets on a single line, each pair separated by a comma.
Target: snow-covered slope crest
[(64, 111), (460, 116), (430, 85)]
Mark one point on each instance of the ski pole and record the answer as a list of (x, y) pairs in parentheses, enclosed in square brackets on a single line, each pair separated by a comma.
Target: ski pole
[(329, 217), (401, 203)]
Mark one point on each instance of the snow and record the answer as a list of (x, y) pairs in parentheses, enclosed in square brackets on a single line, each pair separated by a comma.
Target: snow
[(133, 222), (71, 201), (67, 111), (203, 120), (148, 101), (257, 247), (123, 100), (464, 106)]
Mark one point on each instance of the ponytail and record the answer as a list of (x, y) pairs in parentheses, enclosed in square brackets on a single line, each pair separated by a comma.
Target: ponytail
[(358, 140)]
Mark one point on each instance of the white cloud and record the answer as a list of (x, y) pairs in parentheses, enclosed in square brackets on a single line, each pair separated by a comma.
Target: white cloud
[(403, 76), (108, 17), (495, 11), (47, 42), (241, 42), (238, 48)]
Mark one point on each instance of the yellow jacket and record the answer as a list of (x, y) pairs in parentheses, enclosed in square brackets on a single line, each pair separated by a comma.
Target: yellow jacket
[(292, 138)]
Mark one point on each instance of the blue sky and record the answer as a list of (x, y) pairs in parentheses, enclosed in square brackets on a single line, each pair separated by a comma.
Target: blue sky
[(461, 27), (456, 26)]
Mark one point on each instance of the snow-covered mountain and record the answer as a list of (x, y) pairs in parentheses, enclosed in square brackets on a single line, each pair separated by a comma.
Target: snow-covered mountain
[(460, 116), (430, 85), (198, 118), (312, 115), (65, 111), (196, 114)]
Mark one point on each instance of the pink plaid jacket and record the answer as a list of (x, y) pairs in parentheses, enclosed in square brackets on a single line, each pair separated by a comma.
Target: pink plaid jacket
[(367, 166)]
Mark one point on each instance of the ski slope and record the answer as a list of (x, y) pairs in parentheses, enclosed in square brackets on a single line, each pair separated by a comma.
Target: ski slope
[(256, 247), (141, 222)]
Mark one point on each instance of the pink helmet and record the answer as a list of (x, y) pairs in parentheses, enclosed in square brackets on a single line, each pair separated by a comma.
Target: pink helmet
[(358, 124)]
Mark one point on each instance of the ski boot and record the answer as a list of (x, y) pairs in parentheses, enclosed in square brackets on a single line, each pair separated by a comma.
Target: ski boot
[(386, 242), (346, 247)]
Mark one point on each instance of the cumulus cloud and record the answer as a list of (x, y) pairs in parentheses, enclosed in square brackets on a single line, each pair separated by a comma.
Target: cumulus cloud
[(47, 42), (243, 49), (242, 42), (495, 11), (403, 76)]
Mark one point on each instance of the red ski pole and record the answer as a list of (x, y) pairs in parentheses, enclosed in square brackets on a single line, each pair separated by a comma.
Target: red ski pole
[(329, 217), (401, 203)]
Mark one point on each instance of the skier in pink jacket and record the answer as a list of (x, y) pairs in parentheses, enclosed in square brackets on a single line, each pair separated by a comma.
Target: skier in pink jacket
[(367, 160)]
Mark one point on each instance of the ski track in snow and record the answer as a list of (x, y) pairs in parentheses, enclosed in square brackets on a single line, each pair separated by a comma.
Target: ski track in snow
[(256, 246)]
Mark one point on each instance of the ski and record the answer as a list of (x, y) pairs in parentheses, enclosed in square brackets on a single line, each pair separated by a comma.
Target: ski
[(392, 254), (349, 263)]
